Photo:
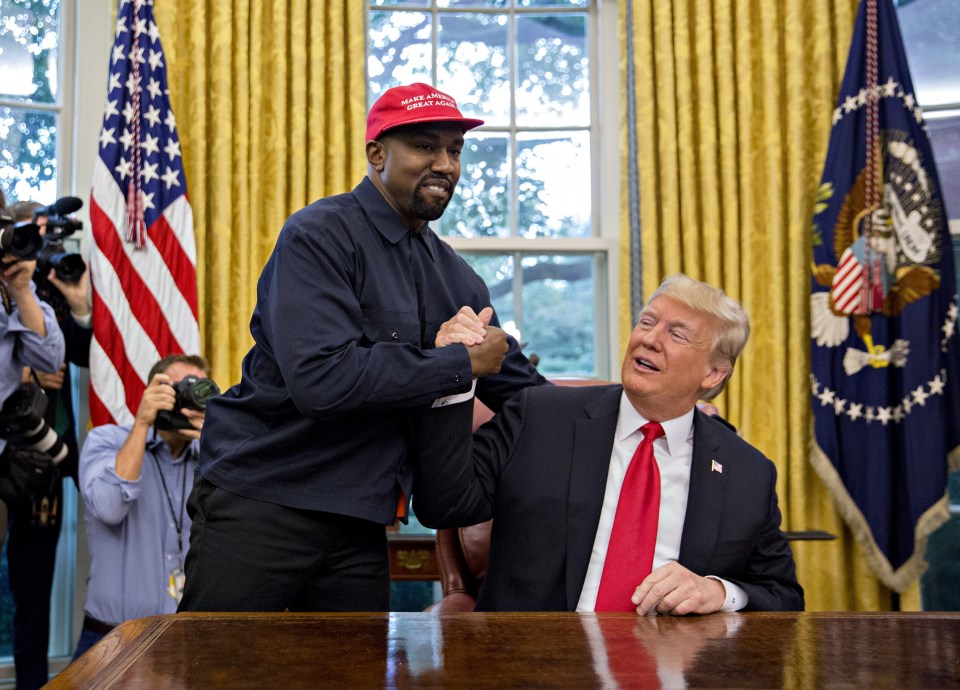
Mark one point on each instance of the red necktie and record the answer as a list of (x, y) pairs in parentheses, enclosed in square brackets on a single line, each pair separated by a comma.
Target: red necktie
[(634, 535)]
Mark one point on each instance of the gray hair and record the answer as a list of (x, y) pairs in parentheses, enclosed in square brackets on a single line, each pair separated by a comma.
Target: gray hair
[(735, 325)]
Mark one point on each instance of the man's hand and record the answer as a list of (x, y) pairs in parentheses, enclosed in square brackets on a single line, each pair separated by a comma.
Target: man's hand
[(195, 417), (17, 276), (74, 293), (159, 395), (51, 381), (466, 327), (487, 357), (672, 589)]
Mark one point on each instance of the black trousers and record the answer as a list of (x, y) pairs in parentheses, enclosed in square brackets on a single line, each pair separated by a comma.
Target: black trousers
[(248, 555), (31, 556)]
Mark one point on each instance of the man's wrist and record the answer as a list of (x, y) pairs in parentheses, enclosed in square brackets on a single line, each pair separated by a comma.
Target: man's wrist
[(82, 320), (734, 597), (456, 398)]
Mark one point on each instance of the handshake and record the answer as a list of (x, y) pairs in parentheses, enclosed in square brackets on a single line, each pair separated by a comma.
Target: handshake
[(486, 344)]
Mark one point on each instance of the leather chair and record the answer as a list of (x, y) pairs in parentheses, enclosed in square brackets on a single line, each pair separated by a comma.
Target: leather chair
[(463, 553)]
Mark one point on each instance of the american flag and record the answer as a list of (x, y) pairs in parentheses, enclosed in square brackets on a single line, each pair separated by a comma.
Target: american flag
[(143, 254)]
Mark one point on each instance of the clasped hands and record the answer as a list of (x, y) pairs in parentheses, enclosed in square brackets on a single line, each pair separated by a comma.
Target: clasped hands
[(486, 344)]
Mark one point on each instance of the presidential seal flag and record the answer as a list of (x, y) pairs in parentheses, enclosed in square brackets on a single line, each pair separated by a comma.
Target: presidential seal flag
[(886, 364), (143, 254)]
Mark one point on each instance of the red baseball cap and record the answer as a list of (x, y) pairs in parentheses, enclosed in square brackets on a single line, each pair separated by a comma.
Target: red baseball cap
[(406, 105)]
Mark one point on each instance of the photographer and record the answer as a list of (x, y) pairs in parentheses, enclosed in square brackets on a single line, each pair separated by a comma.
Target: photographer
[(35, 519), (134, 481), (70, 302), (29, 336)]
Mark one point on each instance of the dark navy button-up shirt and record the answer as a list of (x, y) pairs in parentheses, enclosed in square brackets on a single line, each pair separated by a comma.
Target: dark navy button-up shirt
[(348, 308)]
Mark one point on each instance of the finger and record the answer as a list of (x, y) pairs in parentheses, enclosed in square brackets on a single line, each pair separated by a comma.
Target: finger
[(485, 315), (653, 589), (644, 597), (465, 318), (458, 337), (643, 589)]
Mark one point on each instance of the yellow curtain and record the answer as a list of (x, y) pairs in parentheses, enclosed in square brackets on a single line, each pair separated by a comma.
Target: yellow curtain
[(730, 102), (270, 100)]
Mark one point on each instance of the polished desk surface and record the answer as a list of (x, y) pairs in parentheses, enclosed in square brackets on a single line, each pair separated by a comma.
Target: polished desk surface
[(753, 650)]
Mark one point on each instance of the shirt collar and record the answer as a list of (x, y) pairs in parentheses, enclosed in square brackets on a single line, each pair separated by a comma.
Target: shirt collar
[(387, 222), (676, 431), (159, 447)]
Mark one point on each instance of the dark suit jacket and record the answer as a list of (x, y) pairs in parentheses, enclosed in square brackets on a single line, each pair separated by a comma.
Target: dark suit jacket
[(539, 468)]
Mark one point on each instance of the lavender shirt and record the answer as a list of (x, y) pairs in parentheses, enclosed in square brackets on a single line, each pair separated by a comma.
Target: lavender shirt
[(19, 347), (131, 531)]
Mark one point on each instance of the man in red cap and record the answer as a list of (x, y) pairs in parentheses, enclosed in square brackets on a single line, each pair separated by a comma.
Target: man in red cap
[(305, 461)]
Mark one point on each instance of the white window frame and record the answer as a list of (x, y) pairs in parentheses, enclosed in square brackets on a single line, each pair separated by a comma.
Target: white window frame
[(86, 38), (606, 149)]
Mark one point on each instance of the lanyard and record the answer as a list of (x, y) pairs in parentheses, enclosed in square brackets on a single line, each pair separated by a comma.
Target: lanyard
[(183, 499)]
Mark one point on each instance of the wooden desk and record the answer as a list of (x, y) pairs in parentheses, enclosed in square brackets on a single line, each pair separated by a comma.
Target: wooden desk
[(413, 557), (522, 650)]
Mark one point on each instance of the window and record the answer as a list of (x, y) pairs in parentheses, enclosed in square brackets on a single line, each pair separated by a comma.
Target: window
[(930, 29), (31, 110), (40, 109), (30, 97), (527, 214), (536, 212)]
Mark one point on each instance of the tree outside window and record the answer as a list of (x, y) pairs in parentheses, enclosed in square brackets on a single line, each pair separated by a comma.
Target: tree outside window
[(524, 67)]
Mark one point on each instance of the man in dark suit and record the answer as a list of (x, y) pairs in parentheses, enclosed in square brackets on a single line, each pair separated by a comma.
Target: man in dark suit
[(550, 466)]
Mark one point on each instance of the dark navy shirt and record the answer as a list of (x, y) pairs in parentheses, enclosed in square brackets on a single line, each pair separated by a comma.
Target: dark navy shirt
[(348, 308)]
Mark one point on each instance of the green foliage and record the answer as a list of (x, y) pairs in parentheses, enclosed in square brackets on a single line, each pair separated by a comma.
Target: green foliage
[(28, 137), (820, 204)]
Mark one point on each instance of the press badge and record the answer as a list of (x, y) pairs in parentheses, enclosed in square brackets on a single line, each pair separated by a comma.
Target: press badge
[(175, 584)]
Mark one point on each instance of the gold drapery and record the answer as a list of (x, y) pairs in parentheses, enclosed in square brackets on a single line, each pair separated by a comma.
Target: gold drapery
[(270, 101), (732, 105)]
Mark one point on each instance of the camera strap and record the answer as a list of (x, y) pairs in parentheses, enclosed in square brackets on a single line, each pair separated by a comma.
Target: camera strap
[(178, 523), (7, 306)]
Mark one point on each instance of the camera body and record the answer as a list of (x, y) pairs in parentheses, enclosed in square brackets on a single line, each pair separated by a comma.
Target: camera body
[(192, 393), (69, 266), (23, 424), (20, 239)]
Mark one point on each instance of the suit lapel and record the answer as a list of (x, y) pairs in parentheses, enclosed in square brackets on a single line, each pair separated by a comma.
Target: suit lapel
[(705, 499), (592, 444)]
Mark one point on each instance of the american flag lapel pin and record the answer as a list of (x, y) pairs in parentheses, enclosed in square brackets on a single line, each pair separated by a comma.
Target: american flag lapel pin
[(716, 467)]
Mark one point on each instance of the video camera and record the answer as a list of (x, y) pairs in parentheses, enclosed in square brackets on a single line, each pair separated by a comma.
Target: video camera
[(69, 266), (193, 393)]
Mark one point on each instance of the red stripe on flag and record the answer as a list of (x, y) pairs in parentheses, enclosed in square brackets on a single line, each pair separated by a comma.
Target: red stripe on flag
[(108, 335), (143, 305), (181, 268), (99, 414)]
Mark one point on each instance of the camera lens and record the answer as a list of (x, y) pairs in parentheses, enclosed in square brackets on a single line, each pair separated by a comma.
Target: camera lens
[(23, 241), (201, 391), (69, 267)]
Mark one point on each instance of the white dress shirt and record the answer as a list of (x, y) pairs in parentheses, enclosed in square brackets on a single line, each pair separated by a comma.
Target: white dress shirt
[(674, 455)]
